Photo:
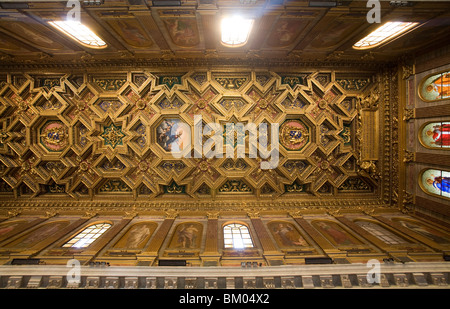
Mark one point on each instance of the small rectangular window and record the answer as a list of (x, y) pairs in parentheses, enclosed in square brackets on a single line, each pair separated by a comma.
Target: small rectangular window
[(235, 31), (79, 32), (384, 33)]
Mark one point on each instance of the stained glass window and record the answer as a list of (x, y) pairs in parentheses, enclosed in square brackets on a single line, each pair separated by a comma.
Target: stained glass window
[(381, 233), (237, 236), (87, 236), (435, 135), (436, 182), (384, 33), (79, 32), (435, 87)]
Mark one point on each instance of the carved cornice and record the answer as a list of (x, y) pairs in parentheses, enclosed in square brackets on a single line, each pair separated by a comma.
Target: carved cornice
[(91, 208), (14, 64)]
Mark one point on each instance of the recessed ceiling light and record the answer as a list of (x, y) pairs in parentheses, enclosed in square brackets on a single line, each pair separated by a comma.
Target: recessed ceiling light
[(79, 32), (322, 3), (17, 6), (166, 3), (235, 31), (384, 33)]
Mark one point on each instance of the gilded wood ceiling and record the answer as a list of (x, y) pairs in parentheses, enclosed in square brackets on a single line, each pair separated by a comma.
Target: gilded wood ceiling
[(291, 31), (104, 136), (81, 125)]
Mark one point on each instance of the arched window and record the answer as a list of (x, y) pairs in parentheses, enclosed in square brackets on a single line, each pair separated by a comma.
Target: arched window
[(381, 233), (237, 236), (87, 236), (435, 182), (435, 135), (435, 87)]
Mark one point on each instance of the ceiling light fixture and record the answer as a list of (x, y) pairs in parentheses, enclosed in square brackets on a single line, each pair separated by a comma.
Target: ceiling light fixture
[(235, 31), (93, 2), (400, 3), (79, 32), (166, 3), (14, 5), (384, 33), (323, 4)]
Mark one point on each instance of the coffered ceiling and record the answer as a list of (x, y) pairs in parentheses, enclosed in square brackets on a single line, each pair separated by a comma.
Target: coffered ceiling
[(286, 30), (131, 137), (79, 124)]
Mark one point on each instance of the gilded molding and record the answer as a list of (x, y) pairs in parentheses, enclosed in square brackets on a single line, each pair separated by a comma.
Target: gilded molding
[(409, 156), (408, 70), (296, 214), (88, 61), (408, 204), (408, 114), (371, 100), (171, 214), (50, 214), (12, 214), (195, 206), (213, 215), (254, 215), (130, 214), (334, 212), (89, 215)]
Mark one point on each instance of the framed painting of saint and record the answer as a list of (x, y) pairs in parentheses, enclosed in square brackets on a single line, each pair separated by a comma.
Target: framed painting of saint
[(37, 235), (286, 235), (9, 226), (187, 235), (428, 232), (137, 235), (335, 233)]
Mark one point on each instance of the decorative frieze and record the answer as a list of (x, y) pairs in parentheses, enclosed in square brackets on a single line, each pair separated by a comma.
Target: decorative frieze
[(411, 275)]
